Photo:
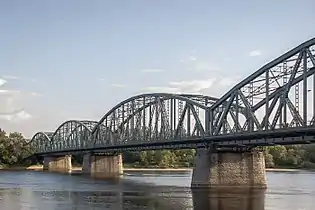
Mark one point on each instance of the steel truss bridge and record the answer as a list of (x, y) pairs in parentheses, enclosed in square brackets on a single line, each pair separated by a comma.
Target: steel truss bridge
[(274, 105)]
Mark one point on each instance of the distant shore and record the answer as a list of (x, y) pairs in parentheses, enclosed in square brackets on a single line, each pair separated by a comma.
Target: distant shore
[(77, 168)]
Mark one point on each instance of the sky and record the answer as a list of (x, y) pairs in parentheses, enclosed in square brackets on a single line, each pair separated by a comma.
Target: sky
[(75, 59)]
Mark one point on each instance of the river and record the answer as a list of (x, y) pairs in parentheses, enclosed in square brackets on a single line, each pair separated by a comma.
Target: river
[(27, 190)]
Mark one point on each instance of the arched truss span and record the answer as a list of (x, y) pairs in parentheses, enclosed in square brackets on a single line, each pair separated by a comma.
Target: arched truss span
[(72, 134), (280, 94), (40, 142), (154, 117)]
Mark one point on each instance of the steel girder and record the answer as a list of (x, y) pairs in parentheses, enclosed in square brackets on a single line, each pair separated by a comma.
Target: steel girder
[(279, 95), (70, 134), (152, 118), (41, 141), (171, 116)]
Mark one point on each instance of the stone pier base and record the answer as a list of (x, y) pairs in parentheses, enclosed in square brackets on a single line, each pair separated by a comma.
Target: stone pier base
[(103, 166), (58, 164), (229, 169)]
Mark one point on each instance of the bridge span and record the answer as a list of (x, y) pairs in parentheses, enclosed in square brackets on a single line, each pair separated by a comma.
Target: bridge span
[(274, 105)]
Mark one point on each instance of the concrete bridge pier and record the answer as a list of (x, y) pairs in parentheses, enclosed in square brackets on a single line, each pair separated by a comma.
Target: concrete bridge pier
[(229, 169), (58, 164), (107, 166)]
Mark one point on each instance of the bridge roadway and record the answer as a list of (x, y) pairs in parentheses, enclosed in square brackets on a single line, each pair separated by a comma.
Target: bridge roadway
[(274, 105)]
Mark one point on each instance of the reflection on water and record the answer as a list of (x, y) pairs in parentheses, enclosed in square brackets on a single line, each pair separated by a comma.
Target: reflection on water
[(158, 191), (14, 199), (233, 200)]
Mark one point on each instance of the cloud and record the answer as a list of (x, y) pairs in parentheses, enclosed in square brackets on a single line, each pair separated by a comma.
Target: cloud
[(192, 58), (255, 53), (35, 94), (193, 63), (15, 92), (8, 92), (205, 66), (16, 116), (2, 82), (119, 85), (211, 86), (161, 89), (229, 81), (191, 86), (10, 77), (10, 109), (152, 70), (215, 85)]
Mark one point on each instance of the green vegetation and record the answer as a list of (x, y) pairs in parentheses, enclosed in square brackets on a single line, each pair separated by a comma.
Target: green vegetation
[(14, 149), (296, 156), (159, 158)]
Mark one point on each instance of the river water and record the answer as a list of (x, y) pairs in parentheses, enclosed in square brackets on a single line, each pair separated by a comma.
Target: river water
[(26, 190)]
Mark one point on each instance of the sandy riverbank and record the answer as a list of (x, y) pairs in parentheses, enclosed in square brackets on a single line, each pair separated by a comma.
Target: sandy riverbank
[(23, 168), (283, 169), (75, 168)]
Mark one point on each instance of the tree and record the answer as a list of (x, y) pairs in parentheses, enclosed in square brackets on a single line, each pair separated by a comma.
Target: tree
[(279, 154), (13, 148), (269, 160)]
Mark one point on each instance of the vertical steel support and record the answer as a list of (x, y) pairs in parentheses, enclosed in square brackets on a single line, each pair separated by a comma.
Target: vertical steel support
[(313, 89), (188, 121), (157, 113), (144, 119), (128, 126), (285, 81), (267, 101), (197, 111), (133, 115), (174, 119), (150, 122), (207, 121), (211, 121), (171, 116), (237, 111), (114, 119), (304, 87), (207, 118), (297, 99), (251, 101)]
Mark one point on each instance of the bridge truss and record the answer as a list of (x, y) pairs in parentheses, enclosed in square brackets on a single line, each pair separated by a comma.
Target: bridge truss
[(279, 96), (143, 119)]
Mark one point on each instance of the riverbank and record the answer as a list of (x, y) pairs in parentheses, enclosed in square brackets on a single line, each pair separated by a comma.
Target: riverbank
[(22, 168), (78, 168), (190, 169)]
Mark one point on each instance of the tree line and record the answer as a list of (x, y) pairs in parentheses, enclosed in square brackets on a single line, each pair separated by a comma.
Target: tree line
[(14, 149), (295, 156)]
